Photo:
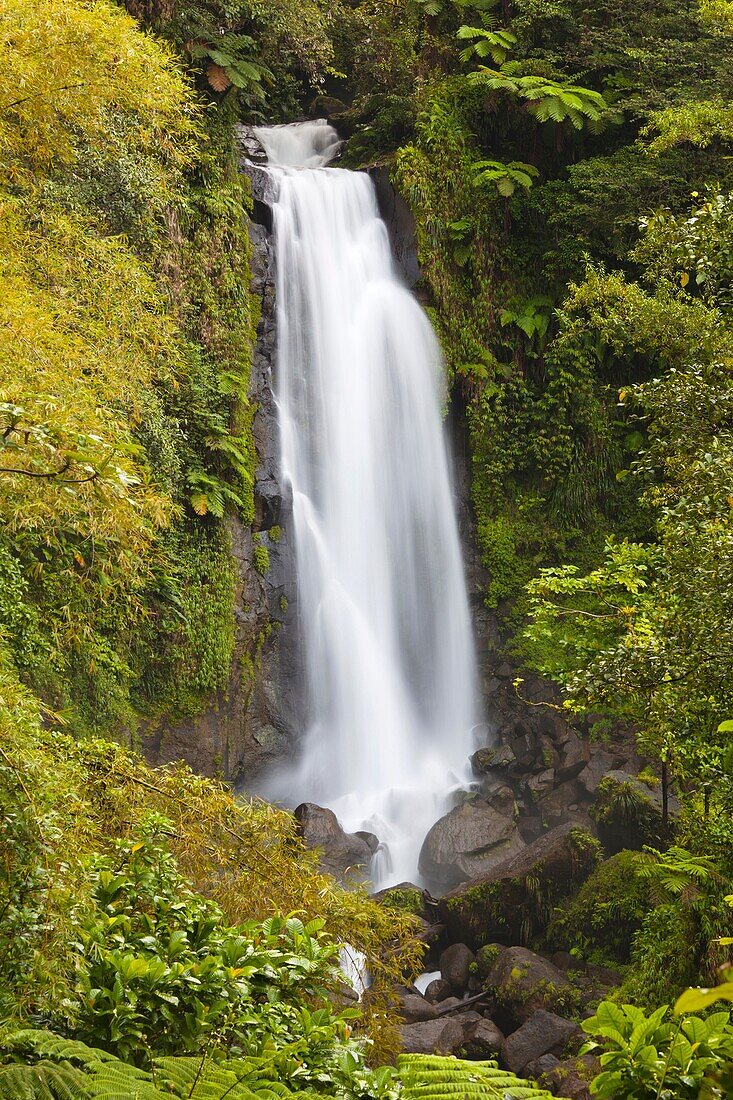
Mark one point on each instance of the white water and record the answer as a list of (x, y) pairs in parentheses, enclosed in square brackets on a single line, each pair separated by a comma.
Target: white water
[(381, 592)]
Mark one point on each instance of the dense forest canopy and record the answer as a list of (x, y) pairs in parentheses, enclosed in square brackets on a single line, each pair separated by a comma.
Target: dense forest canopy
[(568, 166)]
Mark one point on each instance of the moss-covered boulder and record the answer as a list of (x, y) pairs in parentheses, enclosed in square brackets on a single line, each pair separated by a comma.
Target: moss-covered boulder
[(512, 904), (522, 982), (601, 920), (405, 897)]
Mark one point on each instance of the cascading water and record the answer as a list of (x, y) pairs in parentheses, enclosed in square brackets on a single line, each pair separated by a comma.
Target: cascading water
[(384, 615)]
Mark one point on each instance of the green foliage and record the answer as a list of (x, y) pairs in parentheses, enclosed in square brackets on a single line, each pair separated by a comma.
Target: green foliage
[(506, 177), (496, 44), (261, 557), (433, 1077), (600, 921), (650, 1058), (548, 100), (107, 939), (39, 1064)]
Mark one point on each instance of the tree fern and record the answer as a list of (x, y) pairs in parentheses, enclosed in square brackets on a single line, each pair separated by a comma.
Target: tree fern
[(435, 1077), (42, 1081), (548, 100), (43, 1066)]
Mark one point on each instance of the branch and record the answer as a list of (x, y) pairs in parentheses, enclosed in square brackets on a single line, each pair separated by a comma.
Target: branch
[(53, 475), (48, 91)]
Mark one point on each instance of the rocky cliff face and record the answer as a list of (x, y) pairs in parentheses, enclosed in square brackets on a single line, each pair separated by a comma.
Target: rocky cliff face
[(253, 722)]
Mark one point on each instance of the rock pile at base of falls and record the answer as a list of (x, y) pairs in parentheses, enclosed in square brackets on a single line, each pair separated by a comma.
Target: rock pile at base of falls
[(541, 775), (508, 1004)]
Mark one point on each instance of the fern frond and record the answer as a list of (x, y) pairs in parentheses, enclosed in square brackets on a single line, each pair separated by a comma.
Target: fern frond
[(437, 1077)]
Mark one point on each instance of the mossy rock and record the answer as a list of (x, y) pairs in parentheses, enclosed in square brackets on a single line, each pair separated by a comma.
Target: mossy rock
[(405, 897), (486, 956), (600, 921), (513, 903)]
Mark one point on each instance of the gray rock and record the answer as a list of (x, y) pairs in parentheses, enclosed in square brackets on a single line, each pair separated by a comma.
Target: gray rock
[(523, 982), (573, 759), (400, 223), (469, 841), (554, 805), (483, 1040), (493, 906), (543, 1033), (339, 853), (432, 1037), (598, 767), (455, 964), (541, 1066), (571, 1078), (250, 144), (414, 1008), (437, 991)]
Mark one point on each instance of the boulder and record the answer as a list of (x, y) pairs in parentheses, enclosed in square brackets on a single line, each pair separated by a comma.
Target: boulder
[(560, 804), (340, 853), (571, 1078), (543, 1033), (598, 767), (437, 991), (574, 757), (432, 1037), (405, 896), (540, 1067), (251, 145), (482, 1040), (455, 966), (523, 982), (497, 905), (413, 1008), (470, 840)]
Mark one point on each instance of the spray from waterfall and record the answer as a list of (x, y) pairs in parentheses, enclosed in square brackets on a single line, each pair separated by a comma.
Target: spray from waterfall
[(384, 615)]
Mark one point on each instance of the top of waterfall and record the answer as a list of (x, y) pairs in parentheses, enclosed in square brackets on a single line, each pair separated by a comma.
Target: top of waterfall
[(299, 144)]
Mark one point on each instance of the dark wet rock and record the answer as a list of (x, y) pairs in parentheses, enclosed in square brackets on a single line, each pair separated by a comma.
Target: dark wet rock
[(543, 1033), (251, 724), (497, 905), (597, 768), (469, 841), (327, 106), (400, 224), (340, 853), (628, 812), (413, 1007), (554, 806), (482, 1040), (455, 966), (541, 1066), (486, 957), (604, 976), (432, 1037), (571, 1078), (523, 982), (574, 757), (565, 961), (437, 991)]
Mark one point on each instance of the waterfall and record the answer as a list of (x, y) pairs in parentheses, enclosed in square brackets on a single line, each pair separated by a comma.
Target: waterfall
[(381, 593)]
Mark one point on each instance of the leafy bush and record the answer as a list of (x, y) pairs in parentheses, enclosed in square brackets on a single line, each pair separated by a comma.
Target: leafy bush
[(651, 1058), (159, 968)]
